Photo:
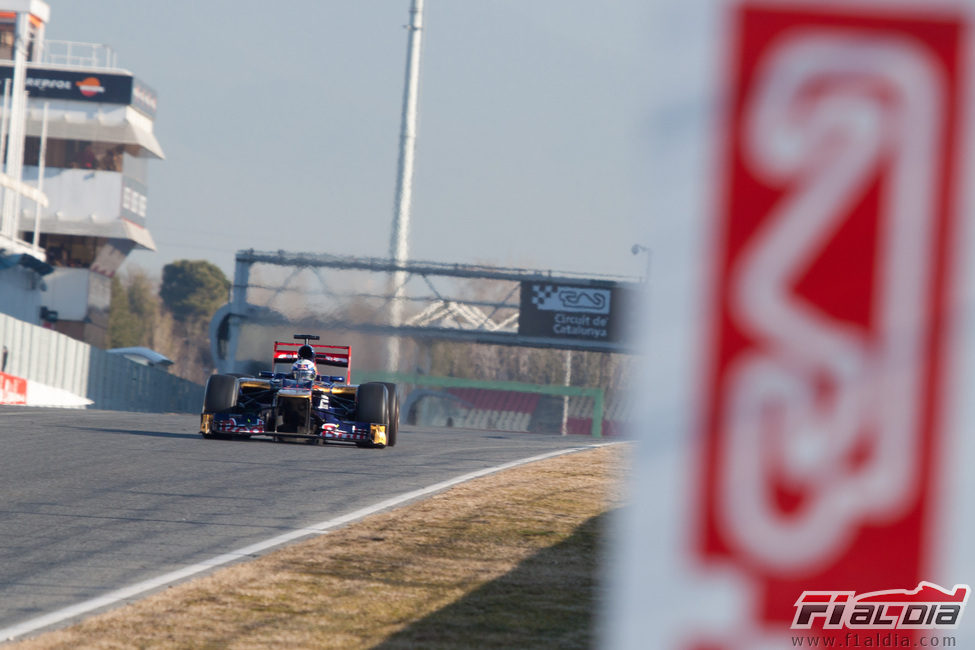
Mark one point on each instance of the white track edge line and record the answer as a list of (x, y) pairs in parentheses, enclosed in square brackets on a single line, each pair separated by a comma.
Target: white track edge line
[(140, 588)]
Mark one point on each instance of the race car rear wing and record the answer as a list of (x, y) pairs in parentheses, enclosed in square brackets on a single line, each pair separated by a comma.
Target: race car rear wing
[(339, 356)]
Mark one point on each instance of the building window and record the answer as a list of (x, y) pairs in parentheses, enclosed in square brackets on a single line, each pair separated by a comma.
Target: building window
[(75, 154), (70, 250), (7, 40)]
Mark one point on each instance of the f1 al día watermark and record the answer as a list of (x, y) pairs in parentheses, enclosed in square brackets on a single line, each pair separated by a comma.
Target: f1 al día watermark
[(874, 618), (887, 639)]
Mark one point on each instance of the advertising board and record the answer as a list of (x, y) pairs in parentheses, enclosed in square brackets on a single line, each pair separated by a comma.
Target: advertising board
[(13, 390), (83, 85), (808, 348)]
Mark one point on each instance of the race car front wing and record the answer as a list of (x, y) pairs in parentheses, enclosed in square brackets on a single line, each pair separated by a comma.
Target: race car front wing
[(344, 432)]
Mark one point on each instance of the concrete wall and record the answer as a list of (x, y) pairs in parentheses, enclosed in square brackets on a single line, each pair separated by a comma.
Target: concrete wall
[(110, 381)]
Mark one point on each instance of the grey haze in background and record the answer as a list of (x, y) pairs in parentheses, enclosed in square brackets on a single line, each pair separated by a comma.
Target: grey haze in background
[(280, 127)]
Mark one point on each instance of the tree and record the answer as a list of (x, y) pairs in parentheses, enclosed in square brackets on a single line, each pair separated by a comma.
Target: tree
[(144, 305), (124, 329), (193, 289), (138, 317), (133, 317)]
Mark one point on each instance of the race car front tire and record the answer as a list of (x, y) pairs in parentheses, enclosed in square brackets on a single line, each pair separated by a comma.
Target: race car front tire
[(392, 409), (220, 393), (372, 405)]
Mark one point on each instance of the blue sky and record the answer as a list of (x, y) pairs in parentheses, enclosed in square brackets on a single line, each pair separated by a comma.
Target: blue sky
[(281, 127)]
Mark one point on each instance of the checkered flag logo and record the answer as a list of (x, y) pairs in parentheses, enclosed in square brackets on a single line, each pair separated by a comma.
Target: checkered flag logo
[(542, 293), (553, 297)]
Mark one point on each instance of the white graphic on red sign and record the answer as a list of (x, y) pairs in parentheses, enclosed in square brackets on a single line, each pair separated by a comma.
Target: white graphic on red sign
[(825, 365)]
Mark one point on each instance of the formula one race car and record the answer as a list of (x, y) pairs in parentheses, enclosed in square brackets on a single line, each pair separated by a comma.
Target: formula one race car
[(293, 403)]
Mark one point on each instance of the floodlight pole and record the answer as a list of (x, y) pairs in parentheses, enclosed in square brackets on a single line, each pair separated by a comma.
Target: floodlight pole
[(399, 246)]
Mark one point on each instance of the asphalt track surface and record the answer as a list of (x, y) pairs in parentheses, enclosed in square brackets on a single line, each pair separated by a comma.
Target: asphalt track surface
[(93, 501)]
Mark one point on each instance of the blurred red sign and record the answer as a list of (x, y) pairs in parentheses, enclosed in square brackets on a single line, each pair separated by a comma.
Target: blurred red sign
[(13, 390), (826, 361)]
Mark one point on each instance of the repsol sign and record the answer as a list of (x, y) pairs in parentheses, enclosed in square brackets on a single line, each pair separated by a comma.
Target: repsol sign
[(75, 85)]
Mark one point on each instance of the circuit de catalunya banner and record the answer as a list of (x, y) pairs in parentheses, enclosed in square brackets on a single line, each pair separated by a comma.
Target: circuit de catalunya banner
[(594, 312), (13, 390), (810, 360)]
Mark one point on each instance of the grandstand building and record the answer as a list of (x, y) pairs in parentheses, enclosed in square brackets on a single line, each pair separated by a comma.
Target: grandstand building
[(75, 158)]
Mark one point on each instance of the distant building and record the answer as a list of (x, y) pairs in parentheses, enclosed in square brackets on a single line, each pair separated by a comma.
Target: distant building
[(94, 121)]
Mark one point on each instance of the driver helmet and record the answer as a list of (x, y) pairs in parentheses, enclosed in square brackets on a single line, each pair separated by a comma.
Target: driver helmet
[(303, 369)]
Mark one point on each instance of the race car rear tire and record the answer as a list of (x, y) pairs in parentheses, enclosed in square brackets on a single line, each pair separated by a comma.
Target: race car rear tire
[(372, 404), (393, 409), (220, 393)]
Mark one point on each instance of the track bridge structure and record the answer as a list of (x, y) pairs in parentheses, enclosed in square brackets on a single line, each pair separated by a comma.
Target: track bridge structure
[(438, 301)]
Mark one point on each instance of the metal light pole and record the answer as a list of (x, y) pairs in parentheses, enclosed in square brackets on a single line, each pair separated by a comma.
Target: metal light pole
[(40, 181), (399, 245), (15, 136), (565, 398)]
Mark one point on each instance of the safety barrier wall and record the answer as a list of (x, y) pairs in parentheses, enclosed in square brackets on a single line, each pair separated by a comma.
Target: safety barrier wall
[(117, 384), (111, 381), (44, 356), (596, 397)]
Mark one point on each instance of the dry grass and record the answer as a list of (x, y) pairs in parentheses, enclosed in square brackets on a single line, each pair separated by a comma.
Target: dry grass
[(503, 561)]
